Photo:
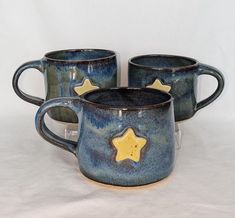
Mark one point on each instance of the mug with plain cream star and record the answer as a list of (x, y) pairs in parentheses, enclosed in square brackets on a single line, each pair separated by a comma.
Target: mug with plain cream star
[(177, 75), (125, 135), (70, 73)]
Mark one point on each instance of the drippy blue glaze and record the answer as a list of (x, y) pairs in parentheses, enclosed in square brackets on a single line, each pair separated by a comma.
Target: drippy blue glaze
[(63, 70), (180, 73), (107, 114)]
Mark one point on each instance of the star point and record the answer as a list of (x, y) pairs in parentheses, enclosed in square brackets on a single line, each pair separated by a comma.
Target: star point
[(157, 84), (128, 146), (85, 87)]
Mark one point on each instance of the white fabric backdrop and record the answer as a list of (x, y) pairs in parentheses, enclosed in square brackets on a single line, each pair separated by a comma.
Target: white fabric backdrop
[(39, 180)]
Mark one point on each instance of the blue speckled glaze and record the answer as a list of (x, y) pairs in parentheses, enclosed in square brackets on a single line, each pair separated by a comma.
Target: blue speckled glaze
[(63, 70), (108, 113), (180, 73)]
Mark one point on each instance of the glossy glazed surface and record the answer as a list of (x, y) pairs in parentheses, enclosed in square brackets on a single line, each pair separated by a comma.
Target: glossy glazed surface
[(126, 135), (176, 75), (66, 71)]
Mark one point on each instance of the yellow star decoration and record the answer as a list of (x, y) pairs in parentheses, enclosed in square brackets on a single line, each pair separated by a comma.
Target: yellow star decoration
[(128, 146), (85, 87), (160, 86)]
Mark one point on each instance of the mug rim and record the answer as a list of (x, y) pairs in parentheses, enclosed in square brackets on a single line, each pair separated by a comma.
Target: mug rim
[(173, 69), (46, 56), (126, 108)]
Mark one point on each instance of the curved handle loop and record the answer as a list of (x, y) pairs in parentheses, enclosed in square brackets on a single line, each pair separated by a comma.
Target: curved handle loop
[(29, 98), (48, 135), (208, 70)]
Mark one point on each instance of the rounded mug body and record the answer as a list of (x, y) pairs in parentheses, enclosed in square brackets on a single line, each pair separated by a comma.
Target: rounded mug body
[(177, 75), (126, 136), (70, 73)]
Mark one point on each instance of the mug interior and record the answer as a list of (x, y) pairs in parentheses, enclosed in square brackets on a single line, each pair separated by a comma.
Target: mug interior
[(129, 98), (163, 61), (79, 55)]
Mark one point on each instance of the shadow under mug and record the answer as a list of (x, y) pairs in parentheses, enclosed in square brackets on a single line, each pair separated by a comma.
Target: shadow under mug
[(70, 73), (176, 75), (125, 135)]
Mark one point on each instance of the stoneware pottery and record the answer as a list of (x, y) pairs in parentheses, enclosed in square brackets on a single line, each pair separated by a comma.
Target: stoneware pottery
[(126, 135), (176, 75), (70, 73)]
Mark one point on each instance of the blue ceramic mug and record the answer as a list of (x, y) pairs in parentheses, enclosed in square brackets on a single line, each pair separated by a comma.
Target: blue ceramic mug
[(71, 73), (126, 135), (176, 75)]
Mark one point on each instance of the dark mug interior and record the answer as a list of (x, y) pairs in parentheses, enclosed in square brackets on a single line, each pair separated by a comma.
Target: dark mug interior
[(129, 98), (163, 61), (79, 55)]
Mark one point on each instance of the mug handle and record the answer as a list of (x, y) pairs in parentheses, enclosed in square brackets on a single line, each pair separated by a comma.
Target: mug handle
[(48, 135), (209, 70), (29, 98)]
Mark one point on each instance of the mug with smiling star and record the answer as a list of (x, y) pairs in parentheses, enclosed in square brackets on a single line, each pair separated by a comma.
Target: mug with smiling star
[(70, 73), (125, 137), (177, 75)]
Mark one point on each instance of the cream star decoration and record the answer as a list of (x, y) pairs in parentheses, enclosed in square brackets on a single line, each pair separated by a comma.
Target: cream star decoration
[(128, 146), (159, 85), (85, 87)]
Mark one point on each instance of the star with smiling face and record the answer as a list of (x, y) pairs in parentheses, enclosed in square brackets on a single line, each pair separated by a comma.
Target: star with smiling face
[(160, 86), (85, 87), (128, 146)]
